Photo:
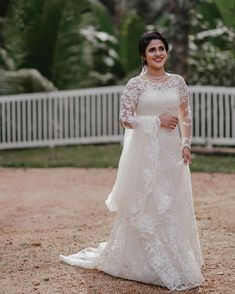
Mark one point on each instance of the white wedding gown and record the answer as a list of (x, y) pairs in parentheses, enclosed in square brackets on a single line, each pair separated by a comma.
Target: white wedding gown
[(154, 238)]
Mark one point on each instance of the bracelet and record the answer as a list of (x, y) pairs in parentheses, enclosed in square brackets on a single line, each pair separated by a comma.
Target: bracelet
[(186, 145)]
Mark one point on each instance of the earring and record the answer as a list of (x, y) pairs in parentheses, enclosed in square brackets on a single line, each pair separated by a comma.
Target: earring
[(143, 66)]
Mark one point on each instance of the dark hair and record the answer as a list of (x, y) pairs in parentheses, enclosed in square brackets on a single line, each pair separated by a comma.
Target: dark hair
[(147, 37)]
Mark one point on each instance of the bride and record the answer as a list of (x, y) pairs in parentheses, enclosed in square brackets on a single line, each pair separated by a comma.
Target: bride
[(154, 238)]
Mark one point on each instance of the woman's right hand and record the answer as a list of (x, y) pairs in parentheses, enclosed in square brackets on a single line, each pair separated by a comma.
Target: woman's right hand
[(169, 121)]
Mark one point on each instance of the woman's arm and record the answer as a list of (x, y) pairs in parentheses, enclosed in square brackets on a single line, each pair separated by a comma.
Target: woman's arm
[(129, 101), (185, 120), (185, 117)]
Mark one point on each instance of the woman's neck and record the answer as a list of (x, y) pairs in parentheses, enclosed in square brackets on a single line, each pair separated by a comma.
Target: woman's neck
[(155, 72)]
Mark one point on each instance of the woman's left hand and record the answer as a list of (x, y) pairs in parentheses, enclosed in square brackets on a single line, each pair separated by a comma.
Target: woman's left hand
[(187, 156)]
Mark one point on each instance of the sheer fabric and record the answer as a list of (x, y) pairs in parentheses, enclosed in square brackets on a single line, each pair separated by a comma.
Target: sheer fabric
[(154, 238)]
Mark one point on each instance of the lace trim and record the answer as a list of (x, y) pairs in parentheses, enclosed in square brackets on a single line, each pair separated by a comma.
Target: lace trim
[(150, 125)]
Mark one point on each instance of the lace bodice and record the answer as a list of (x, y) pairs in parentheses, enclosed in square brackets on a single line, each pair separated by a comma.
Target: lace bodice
[(146, 97)]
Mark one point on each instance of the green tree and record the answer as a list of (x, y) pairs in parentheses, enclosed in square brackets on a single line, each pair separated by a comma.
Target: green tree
[(20, 81), (70, 42), (211, 55), (227, 10), (132, 27), (31, 31)]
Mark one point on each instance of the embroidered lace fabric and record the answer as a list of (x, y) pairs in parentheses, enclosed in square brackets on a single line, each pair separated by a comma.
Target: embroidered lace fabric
[(136, 86), (154, 238)]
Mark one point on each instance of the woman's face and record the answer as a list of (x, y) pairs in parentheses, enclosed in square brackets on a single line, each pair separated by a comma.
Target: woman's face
[(155, 54)]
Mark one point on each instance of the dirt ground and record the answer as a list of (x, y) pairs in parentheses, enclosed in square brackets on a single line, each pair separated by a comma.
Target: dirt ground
[(47, 212)]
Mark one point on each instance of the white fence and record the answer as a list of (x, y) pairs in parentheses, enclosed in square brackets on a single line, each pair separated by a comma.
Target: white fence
[(92, 116)]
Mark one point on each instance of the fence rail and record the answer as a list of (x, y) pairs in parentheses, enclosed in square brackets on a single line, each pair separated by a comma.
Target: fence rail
[(91, 116)]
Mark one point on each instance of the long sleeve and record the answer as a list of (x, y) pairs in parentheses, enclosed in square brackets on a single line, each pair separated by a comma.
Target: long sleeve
[(129, 102), (185, 117)]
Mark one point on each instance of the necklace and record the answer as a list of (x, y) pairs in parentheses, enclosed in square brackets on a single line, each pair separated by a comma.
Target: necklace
[(157, 79)]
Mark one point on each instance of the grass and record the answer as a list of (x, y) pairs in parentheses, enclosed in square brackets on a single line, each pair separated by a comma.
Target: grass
[(213, 163), (98, 156), (69, 156)]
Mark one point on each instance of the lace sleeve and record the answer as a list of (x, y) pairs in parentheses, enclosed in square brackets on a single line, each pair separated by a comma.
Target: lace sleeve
[(129, 101), (185, 117)]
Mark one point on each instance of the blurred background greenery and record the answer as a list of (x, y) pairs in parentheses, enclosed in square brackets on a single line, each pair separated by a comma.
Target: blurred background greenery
[(56, 44)]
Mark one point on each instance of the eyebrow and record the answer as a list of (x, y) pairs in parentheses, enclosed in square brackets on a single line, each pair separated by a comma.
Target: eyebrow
[(161, 46)]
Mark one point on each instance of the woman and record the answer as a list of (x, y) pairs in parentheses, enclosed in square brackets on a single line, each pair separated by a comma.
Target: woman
[(154, 238)]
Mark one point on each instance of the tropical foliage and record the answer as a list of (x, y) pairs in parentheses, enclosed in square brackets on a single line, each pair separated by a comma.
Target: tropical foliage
[(212, 51), (22, 80), (87, 43)]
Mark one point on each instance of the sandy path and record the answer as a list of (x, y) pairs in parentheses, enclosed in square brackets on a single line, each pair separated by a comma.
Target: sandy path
[(45, 212)]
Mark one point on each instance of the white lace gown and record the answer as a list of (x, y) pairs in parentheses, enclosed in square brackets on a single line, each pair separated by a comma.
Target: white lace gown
[(154, 238)]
